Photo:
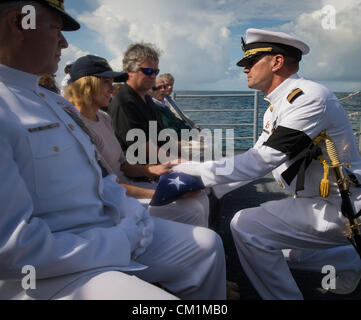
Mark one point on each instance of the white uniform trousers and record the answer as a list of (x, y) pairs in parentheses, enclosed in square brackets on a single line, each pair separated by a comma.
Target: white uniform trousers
[(193, 210), (260, 238), (186, 260)]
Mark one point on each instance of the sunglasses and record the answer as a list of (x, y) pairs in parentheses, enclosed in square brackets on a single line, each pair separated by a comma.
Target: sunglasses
[(159, 87), (149, 71)]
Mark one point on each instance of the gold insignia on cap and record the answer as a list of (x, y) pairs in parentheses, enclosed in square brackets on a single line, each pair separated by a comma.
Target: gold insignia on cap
[(57, 3), (294, 95), (253, 51)]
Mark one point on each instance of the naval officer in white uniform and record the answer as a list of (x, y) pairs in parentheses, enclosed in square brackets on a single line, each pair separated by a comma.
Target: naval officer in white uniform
[(299, 111), (65, 231)]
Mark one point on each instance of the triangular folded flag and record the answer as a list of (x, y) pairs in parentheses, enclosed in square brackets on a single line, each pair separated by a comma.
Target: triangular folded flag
[(172, 186)]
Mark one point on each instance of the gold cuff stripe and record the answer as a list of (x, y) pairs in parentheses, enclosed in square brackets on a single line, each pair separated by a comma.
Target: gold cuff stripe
[(253, 51), (57, 3)]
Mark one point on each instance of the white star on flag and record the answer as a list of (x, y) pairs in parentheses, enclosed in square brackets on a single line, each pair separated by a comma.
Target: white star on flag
[(177, 182)]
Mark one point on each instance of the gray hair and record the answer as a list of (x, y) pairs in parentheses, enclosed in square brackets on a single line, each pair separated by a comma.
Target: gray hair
[(137, 53), (167, 77)]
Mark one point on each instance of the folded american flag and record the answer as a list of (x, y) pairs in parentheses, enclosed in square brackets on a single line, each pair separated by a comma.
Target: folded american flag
[(172, 186)]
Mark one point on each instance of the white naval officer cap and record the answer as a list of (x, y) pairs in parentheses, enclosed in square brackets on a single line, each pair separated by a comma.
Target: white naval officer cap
[(269, 42)]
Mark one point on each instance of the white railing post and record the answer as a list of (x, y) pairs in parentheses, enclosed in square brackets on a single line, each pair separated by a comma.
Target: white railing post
[(255, 117)]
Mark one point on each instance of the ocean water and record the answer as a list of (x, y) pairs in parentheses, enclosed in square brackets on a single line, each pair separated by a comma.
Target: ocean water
[(352, 106)]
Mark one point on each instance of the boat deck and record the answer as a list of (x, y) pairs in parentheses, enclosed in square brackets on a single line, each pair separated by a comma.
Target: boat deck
[(253, 195)]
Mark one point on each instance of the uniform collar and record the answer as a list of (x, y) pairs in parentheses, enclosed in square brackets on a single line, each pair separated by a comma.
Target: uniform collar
[(279, 92), (19, 78)]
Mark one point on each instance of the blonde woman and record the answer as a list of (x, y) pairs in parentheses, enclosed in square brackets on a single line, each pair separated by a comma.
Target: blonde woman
[(90, 89)]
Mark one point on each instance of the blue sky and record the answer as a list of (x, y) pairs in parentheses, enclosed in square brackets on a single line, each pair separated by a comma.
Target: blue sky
[(200, 39)]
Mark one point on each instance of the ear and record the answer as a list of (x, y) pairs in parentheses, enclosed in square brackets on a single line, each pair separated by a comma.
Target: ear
[(14, 19), (278, 62)]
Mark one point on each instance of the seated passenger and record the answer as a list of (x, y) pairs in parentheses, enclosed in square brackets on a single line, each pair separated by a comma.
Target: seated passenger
[(133, 107), (90, 89), (169, 100), (168, 117)]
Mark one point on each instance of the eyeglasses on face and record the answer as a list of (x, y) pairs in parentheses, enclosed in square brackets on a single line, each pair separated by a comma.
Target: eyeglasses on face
[(159, 87), (149, 71)]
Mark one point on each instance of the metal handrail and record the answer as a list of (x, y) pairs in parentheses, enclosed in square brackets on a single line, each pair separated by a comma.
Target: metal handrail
[(255, 111)]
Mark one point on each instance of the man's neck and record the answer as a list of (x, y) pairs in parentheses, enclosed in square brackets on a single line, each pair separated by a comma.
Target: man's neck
[(277, 80), (142, 93)]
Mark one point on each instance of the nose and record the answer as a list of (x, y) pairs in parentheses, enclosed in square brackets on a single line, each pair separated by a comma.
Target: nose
[(63, 43), (246, 70)]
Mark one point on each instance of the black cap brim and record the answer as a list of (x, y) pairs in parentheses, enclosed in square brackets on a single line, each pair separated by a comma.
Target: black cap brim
[(243, 62), (118, 76), (69, 23)]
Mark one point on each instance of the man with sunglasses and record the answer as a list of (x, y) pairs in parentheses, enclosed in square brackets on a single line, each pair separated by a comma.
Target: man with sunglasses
[(169, 119), (170, 101), (292, 147), (133, 107)]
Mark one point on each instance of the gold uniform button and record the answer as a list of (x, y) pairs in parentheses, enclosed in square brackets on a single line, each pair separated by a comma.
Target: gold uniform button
[(42, 95), (102, 196), (271, 108), (71, 127), (282, 185), (56, 149)]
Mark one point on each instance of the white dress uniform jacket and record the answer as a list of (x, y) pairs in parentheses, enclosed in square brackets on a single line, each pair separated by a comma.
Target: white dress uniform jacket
[(54, 201), (316, 110)]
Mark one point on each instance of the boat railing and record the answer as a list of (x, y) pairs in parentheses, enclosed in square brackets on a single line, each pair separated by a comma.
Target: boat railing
[(255, 112)]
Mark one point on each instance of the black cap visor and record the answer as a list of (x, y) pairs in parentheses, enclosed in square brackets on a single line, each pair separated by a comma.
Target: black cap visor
[(69, 24), (245, 60), (118, 76)]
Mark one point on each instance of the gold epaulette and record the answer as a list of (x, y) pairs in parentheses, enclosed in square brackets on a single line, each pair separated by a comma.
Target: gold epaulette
[(294, 95)]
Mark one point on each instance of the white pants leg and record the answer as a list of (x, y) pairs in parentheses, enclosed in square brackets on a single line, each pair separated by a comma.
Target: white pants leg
[(189, 261), (112, 285), (260, 237), (193, 210), (343, 258)]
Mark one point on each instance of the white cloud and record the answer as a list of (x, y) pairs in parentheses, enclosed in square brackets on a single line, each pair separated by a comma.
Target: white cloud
[(70, 54), (200, 39), (194, 40), (335, 49)]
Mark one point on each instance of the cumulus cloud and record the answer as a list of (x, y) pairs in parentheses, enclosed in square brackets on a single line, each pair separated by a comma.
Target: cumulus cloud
[(194, 41), (200, 39), (334, 37), (68, 55)]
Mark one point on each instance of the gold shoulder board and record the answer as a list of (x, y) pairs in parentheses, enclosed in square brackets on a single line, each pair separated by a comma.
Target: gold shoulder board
[(294, 95)]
